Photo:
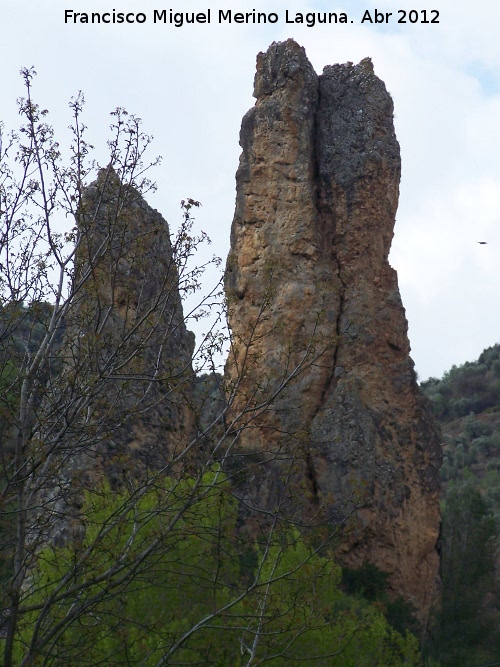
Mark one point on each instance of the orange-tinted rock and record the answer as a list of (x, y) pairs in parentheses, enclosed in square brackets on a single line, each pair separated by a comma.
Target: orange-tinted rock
[(320, 363)]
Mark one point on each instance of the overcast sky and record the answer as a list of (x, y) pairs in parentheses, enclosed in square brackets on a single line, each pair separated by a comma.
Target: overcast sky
[(192, 85)]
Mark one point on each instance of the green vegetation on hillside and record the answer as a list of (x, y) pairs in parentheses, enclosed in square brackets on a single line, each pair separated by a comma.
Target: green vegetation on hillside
[(466, 402)]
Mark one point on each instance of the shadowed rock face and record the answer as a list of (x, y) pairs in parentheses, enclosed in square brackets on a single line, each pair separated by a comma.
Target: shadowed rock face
[(127, 343), (121, 407), (315, 309)]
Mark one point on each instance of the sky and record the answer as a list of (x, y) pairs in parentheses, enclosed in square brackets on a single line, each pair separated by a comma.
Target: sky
[(191, 86)]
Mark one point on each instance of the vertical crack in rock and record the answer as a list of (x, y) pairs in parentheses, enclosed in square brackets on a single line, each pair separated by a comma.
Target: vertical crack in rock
[(327, 221), (314, 309)]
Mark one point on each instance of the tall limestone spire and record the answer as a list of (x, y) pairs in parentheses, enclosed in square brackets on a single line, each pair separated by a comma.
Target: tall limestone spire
[(320, 354)]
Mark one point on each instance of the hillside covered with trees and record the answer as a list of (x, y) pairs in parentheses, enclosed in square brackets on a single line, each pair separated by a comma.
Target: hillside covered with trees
[(466, 401)]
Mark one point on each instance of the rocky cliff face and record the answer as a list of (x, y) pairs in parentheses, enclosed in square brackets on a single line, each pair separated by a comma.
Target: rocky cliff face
[(320, 364), (127, 348)]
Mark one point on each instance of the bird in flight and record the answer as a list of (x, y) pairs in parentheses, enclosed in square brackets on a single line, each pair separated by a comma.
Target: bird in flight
[(482, 242)]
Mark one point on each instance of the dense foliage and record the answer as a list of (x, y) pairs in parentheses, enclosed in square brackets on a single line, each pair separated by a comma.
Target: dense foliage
[(468, 632), (473, 387), (467, 403), (203, 593)]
